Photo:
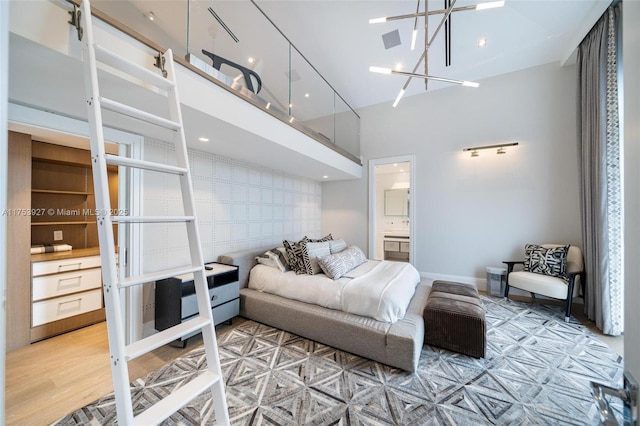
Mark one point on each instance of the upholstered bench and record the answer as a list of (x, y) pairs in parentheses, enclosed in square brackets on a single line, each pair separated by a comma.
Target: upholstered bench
[(454, 319)]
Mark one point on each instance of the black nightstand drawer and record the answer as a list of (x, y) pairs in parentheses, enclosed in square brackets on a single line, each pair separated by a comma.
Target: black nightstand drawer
[(176, 299), (218, 295)]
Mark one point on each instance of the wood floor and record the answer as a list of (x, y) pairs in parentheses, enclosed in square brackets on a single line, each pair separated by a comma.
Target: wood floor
[(52, 378)]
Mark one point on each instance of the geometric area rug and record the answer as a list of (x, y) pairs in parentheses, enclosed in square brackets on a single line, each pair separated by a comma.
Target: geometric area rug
[(536, 371)]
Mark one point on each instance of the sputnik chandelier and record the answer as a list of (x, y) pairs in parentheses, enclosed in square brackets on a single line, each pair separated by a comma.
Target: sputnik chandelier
[(446, 22)]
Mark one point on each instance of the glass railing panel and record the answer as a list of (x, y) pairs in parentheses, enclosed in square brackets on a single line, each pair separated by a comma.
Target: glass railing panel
[(251, 55), (165, 24), (347, 127), (234, 38), (311, 98)]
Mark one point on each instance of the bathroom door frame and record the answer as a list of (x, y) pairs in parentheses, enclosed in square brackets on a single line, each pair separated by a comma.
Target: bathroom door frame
[(411, 159)]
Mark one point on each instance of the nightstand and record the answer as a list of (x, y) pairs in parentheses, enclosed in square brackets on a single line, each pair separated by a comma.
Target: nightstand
[(176, 297)]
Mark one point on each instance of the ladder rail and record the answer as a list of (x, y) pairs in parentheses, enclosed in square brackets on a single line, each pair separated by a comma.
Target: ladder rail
[(120, 353), (106, 243), (195, 246)]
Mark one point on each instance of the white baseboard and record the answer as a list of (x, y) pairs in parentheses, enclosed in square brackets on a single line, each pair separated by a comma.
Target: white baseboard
[(479, 283)]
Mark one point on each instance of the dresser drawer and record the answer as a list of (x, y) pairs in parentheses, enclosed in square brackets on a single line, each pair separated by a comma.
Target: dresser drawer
[(217, 296), (404, 247), (391, 246), (227, 311), (65, 265), (56, 285), (65, 307)]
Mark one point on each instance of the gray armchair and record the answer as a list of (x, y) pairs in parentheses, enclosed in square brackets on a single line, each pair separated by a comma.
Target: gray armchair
[(548, 285)]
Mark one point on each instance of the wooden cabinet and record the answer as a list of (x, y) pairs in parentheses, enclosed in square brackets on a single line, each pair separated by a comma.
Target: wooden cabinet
[(396, 248), (176, 298), (62, 196), (66, 292), (50, 188)]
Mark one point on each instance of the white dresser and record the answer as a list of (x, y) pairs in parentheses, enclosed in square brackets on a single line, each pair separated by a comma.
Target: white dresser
[(66, 292)]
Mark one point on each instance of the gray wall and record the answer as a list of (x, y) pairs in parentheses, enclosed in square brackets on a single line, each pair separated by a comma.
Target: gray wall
[(475, 212)]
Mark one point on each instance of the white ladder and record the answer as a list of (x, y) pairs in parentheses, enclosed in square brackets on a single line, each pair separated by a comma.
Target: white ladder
[(120, 352)]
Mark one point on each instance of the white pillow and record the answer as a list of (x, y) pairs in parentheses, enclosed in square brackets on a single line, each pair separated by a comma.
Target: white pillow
[(336, 265), (313, 251), (336, 246)]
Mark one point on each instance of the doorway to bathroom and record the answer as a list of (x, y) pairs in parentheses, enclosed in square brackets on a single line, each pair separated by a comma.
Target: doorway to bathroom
[(392, 208)]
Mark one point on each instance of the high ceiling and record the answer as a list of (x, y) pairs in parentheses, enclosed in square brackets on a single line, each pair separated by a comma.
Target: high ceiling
[(336, 37)]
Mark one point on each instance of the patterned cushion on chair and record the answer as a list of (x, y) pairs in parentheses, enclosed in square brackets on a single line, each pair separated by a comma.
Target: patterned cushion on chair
[(547, 261)]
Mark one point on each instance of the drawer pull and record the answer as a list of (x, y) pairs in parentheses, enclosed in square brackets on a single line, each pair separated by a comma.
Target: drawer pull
[(214, 297), (71, 282), (70, 266), (71, 308)]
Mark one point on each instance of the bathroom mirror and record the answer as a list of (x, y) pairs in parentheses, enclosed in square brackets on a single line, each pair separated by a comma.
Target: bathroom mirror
[(396, 202)]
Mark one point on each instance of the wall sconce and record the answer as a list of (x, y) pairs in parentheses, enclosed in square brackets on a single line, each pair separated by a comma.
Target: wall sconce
[(501, 148)]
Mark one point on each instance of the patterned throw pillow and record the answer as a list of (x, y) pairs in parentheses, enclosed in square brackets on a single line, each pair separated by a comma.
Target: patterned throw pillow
[(336, 265), (327, 237), (313, 251), (547, 261), (273, 258), (295, 254)]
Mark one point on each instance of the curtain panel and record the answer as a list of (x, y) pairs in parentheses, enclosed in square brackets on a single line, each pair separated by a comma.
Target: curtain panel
[(600, 168)]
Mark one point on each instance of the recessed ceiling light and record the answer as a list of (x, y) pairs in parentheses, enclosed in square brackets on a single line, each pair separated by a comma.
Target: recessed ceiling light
[(251, 60), (203, 139), (395, 164), (482, 42), (325, 177), (306, 95), (151, 16)]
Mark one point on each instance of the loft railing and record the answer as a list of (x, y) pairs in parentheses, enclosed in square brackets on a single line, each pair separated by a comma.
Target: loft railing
[(235, 45)]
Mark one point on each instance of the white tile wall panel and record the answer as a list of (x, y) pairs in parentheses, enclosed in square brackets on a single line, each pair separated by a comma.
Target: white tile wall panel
[(239, 206)]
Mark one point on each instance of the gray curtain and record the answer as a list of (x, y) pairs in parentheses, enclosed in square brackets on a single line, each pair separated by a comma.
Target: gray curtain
[(600, 162)]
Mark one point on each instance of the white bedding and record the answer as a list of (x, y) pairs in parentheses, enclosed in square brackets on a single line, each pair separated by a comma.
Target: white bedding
[(377, 289)]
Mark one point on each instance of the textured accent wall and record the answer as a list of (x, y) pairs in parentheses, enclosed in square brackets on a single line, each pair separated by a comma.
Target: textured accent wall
[(238, 205)]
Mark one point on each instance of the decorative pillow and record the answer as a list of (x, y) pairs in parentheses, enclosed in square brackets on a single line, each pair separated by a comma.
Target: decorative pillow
[(313, 251), (295, 254), (547, 261), (327, 237), (336, 246), (273, 258), (283, 256), (336, 265)]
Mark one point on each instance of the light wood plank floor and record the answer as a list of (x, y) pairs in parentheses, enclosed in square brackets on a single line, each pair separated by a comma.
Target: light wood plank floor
[(52, 378)]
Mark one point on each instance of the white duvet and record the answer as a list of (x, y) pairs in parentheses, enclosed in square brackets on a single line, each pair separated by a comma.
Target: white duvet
[(377, 289)]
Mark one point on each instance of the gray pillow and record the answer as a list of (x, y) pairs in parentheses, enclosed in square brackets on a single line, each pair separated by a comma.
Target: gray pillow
[(315, 250), (336, 246), (336, 265)]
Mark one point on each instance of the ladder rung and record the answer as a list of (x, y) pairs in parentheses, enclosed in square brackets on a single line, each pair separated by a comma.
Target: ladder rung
[(130, 111), (146, 165), (156, 340), (159, 275), (177, 399), (152, 219), (113, 59)]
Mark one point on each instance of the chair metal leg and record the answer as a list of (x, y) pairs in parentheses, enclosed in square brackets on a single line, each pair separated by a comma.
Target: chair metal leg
[(567, 312)]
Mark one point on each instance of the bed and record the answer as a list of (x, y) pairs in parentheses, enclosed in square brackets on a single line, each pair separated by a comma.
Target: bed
[(397, 344)]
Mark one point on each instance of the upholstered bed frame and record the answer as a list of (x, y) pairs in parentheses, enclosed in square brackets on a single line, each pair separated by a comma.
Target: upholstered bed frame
[(398, 344)]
